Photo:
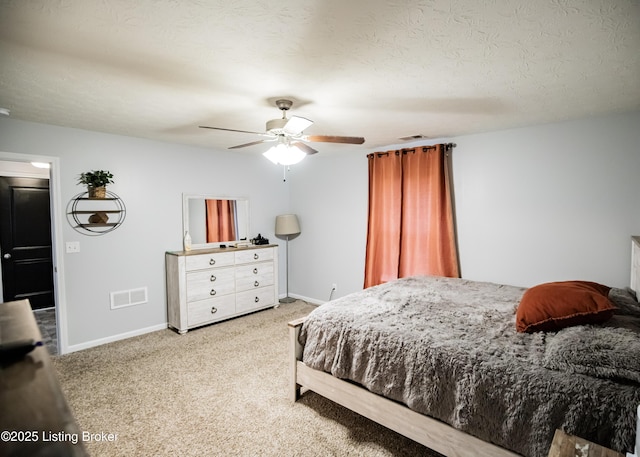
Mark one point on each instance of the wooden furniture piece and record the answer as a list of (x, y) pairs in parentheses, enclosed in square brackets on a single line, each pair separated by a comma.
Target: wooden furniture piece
[(564, 445), (425, 430), (96, 216), (34, 416), (210, 285)]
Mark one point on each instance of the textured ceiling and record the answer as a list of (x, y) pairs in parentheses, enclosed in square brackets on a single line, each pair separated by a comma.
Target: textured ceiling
[(381, 69)]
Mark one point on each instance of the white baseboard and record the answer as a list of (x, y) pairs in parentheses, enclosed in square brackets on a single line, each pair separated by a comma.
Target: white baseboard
[(111, 339), (155, 328), (313, 301)]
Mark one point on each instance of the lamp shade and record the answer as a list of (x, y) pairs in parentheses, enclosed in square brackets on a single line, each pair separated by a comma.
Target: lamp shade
[(287, 224), (284, 154)]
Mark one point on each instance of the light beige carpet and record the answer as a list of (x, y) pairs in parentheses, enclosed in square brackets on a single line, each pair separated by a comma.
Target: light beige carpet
[(219, 390)]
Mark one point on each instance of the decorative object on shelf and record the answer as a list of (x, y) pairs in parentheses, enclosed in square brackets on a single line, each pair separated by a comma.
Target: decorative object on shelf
[(95, 216), (96, 182), (187, 241), (287, 225), (99, 217), (258, 240)]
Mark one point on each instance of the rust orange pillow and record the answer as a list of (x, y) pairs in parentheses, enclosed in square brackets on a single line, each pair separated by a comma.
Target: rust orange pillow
[(555, 305)]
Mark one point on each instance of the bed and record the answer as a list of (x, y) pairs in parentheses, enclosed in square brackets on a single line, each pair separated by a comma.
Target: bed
[(439, 360)]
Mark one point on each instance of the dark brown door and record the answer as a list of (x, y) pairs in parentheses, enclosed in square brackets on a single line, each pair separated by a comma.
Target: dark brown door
[(25, 241)]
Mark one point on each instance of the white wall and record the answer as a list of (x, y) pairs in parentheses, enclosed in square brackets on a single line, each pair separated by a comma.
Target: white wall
[(150, 177), (550, 202), (330, 195), (535, 204)]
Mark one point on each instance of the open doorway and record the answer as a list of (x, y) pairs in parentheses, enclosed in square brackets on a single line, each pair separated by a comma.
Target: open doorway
[(34, 245)]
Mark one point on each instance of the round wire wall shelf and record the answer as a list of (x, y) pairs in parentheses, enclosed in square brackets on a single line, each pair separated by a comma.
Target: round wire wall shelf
[(96, 216)]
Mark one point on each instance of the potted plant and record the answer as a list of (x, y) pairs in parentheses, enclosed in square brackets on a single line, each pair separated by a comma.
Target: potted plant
[(96, 182)]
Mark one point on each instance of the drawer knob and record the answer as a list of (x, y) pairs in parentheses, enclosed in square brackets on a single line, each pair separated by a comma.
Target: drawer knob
[(213, 278), (213, 292), (214, 310), (212, 261), (255, 271), (257, 299), (256, 256), (256, 283)]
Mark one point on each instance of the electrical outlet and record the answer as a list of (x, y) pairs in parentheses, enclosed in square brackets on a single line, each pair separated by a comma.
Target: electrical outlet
[(73, 247), (334, 287)]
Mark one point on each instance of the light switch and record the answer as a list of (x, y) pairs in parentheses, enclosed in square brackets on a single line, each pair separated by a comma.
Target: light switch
[(73, 247)]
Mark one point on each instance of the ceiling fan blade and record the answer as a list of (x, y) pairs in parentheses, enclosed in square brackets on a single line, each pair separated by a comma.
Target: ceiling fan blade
[(251, 144), (334, 139), (296, 124), (234, 130), (304, 147)]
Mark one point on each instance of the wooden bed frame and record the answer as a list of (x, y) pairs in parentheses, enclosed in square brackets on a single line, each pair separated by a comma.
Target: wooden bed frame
[(425, 430)]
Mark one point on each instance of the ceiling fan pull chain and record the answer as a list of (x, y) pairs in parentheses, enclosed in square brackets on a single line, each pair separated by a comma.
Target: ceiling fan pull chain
[(285, 168)]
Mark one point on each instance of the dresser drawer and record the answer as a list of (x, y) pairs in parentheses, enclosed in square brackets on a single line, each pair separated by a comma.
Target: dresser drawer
[(218, 259), (210, 283), (255, 299), (213, 309), (254, 255), (254, 276)]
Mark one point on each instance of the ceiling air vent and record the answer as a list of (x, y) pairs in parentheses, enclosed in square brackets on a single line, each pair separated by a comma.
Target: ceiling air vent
[(419, 136)]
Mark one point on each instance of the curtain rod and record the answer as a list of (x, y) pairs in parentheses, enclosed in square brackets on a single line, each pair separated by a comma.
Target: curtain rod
[(447, 147)]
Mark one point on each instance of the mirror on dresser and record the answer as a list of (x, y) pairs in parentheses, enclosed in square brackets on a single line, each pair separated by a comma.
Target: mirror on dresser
[(227, 219)]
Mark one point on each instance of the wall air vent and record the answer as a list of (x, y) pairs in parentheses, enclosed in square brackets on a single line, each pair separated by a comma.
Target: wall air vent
[(124, 298)]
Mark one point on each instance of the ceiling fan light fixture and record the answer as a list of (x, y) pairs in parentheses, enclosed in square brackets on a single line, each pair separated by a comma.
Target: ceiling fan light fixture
[(289, 132), (282, 154)]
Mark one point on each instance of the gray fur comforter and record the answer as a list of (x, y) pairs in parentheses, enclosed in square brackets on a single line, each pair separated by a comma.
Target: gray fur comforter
[(448, 348)]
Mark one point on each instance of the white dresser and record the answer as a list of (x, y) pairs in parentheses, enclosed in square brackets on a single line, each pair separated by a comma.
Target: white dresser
[(209, 285)]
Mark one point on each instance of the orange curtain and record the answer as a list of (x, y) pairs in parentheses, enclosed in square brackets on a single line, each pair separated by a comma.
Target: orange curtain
[(411, 230), (221, 220)]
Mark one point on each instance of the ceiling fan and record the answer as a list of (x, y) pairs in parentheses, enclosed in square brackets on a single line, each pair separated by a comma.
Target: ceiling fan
[(289, 132)]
